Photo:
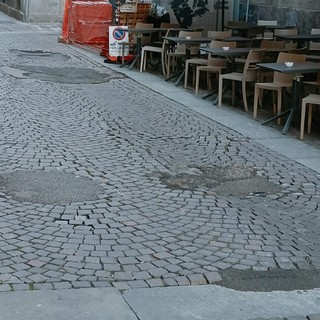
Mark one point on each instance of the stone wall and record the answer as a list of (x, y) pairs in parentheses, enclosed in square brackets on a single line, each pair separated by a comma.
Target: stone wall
[(43, 10), (305, 14)]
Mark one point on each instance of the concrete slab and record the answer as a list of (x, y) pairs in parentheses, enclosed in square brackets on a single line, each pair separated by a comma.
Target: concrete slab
[(72, 304), (215, 302)]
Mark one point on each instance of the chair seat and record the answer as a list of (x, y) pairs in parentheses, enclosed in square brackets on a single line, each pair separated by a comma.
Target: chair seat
[(273, 85), (237, 76), (311, 100)]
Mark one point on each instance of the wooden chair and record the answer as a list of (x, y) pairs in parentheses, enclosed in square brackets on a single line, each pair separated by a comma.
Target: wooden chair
[(314, 46), (249, 74), (285, 32), (156, 49), (203, 61), (180, 50), (280, 82), (311, 100), (144, 40), (267, 23), (213, 65), (219, 35)]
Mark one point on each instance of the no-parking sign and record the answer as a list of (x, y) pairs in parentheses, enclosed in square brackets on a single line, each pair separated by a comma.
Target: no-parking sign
[(117, 34)]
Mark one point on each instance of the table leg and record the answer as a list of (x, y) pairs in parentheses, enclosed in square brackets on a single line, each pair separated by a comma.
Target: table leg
[(296, 97)]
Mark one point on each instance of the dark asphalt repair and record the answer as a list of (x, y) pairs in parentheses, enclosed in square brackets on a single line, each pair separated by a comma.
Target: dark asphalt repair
[(227, 181), (271, 280), (49, 187), (70, 75)]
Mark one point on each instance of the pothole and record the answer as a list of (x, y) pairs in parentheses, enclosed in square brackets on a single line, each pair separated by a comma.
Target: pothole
[(226, 181), (271, 280), (49, 187), (40, 55), (66, 75)]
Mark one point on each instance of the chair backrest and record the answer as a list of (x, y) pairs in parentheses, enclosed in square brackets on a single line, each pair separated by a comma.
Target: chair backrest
[(250, 69), (267, 43), (220, 44), (301, 50), (255, 32), (145, 39), (237, 24), (219, 34), (219, 62), (285, 32), (314, 45), (267, 22), (181, 48), (168, 25), (283, 57)]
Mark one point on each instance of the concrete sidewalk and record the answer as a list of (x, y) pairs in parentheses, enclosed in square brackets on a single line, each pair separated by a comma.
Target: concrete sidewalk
[(175, 303)]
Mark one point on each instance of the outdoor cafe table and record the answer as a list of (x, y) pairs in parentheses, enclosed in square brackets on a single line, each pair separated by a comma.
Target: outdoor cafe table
[(300, 38), (139, 33), (297, 70), (188, 43), (230, 55)]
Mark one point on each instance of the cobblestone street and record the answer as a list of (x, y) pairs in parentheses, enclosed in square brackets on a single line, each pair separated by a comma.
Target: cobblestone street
[(104, 182)]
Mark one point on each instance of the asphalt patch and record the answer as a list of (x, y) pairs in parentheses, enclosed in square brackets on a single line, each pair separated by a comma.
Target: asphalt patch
[(49, 187), (69, 75), (226, 181), (41, 55), (272, 280)]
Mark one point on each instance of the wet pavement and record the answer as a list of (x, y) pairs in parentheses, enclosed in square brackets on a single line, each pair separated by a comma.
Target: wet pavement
[(105, 182)]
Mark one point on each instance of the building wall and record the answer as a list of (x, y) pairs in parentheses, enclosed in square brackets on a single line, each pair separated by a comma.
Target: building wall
[(305, 14), (42, 10)]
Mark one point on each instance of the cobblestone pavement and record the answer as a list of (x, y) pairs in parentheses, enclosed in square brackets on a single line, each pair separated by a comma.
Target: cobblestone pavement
[(139, 231)]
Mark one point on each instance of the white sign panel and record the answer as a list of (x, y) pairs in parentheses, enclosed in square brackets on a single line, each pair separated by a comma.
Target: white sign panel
[(118, 34)]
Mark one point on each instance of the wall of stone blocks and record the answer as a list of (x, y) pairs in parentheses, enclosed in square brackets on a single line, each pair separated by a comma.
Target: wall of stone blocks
[(305, 14)]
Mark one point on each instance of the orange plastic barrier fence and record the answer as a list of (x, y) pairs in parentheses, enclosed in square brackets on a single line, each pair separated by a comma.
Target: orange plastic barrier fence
[(87, 22)]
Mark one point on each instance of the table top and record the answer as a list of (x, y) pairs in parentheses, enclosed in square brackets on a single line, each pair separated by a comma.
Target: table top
[(299, 37), (248, 26), (144, 31), (237, 39), (232, 52), (298, 67), (191, 41)]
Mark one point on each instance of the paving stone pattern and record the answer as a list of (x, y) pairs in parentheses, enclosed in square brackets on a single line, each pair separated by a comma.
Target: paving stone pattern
[(140, 232)]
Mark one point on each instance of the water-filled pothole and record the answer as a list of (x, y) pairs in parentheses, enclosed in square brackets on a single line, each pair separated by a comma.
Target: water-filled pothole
[(49, 187), (226, 181)]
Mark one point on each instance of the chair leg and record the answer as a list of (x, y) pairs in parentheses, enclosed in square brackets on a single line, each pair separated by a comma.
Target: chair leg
[(197, 81), (143, 57), (186, 74), (309, 117), (244, 96), (303, 116), (163, 63), (233, 92), (209, 87), (220, 91), (122, 53), (255, 101), (145, 60), (279, 102)]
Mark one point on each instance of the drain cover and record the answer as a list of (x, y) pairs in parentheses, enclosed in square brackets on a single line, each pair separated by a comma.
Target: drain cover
[(49, 187), (227, 181)]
